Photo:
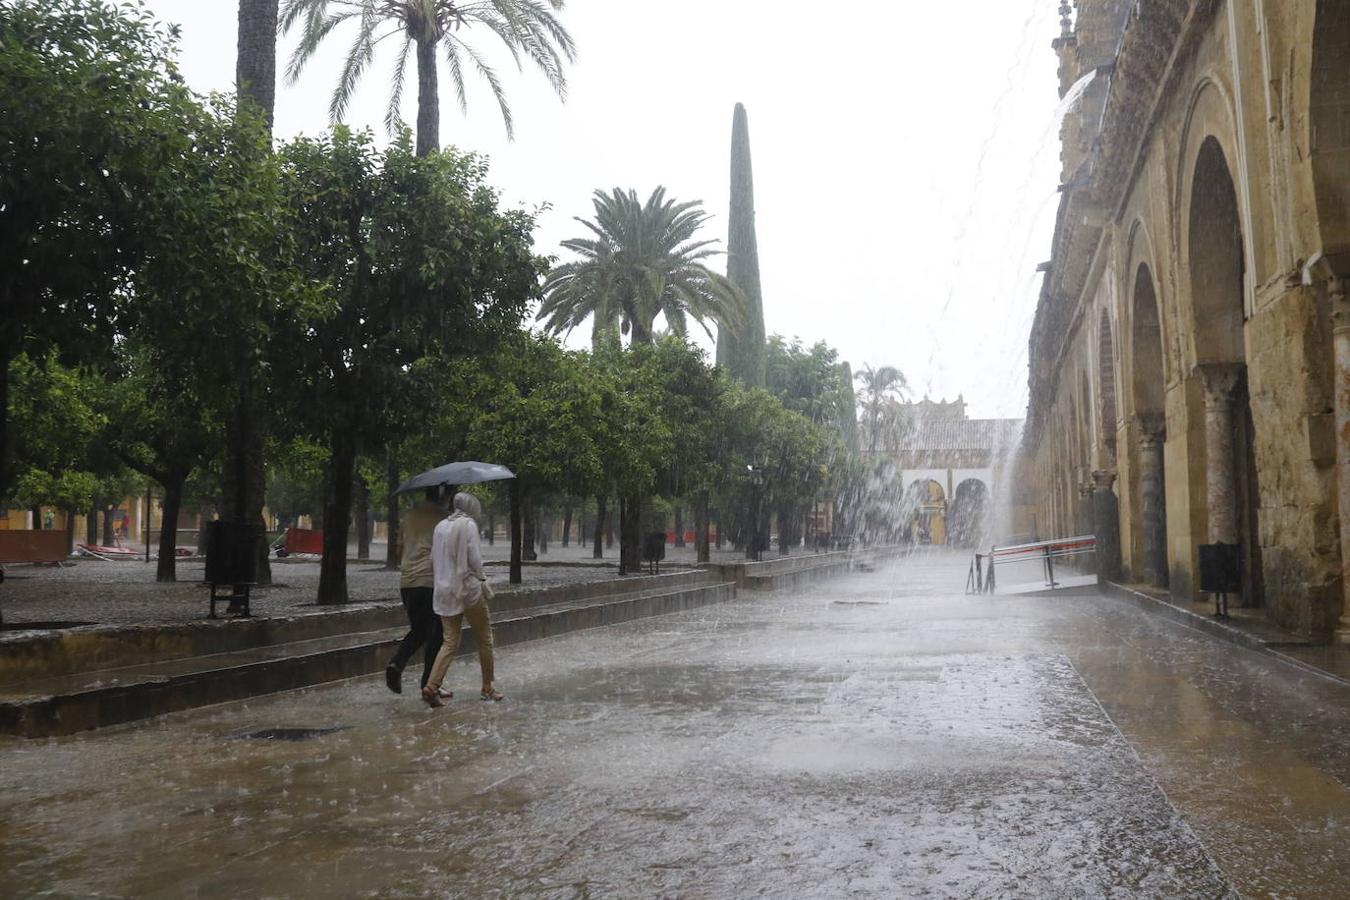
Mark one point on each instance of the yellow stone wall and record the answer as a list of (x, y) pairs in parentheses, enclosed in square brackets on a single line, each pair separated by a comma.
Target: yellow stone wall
[(1241, 75)]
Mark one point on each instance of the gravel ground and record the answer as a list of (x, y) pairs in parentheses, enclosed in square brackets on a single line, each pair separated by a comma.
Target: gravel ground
[(125, 591)]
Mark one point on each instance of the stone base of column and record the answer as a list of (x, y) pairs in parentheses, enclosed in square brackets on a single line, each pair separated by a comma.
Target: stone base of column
[(1342, 633)]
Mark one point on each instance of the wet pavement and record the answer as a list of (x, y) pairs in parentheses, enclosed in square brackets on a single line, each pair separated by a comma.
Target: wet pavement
[(884, 736)]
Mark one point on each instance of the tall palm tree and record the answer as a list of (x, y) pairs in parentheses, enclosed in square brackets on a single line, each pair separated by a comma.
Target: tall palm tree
[(528, 29), (640, 260), (878, 389), (256, 63)]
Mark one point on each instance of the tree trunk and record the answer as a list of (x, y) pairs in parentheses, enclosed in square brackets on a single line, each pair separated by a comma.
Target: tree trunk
[(362, 516), (721, 531), (609, 529), (630, 534), (701, 528), (167, 568), (567, 525), (391, 550), (337, 515), (5, 356), (516, 531), (70, 531), (528, 544), (244, 477), (679, 524), (36, 513), (428, 100), (255, 68), (108, 539), (598, 545), (492, 528), (91, 526)]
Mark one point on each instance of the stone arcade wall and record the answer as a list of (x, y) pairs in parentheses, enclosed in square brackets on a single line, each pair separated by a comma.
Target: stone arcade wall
[(1168, 291)]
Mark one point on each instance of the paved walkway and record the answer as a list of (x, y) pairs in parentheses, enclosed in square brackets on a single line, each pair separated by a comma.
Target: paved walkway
[(887, 736)]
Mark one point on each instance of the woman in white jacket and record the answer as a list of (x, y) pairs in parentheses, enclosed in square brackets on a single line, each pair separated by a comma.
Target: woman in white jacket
[(459, 594)]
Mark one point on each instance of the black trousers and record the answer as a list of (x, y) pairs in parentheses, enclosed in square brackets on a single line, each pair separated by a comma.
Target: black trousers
[(424, 631)]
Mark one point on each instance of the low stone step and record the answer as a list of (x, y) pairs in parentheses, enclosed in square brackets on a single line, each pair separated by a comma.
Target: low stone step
[(68, 704)]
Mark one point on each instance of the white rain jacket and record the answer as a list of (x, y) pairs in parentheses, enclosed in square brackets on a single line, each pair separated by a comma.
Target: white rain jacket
[(458, 565)]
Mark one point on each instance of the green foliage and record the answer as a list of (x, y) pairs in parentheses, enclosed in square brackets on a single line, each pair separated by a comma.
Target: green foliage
[(642, 261), (880, 391), (414, 260), (542, 412), (811, 382), (741, 350)]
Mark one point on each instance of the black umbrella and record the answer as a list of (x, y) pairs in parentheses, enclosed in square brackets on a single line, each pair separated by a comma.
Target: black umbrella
[(467, 472)]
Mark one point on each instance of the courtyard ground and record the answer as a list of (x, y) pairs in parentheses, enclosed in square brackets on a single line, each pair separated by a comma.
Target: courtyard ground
[(885, 735)]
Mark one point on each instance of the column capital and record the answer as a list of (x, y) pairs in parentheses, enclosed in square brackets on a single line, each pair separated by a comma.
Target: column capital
[(1103, 479), (1151, 427), (1340, 302), (1219, 380)]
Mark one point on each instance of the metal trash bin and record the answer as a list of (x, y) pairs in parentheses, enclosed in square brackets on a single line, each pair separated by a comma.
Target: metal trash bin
[(1220, 574), (232, 560), (654, 550)]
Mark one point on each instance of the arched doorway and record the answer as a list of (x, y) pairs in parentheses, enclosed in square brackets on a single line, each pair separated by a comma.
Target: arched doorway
[(928, 522), (969, 514), (1217, 274), (1148, 394)]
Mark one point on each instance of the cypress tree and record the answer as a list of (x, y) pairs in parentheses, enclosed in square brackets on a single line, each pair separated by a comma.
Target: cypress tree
[(742, 353)]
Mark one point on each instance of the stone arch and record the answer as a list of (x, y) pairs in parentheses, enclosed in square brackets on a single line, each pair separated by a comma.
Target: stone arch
[(1216, 267), (1329, 125), (1209, 126), (1148, 385), (1217, 262), (969, 514), (1148, 400), (1106, 385)]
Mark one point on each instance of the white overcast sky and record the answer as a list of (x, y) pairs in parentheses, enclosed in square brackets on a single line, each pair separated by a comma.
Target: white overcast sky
[(905, 155)]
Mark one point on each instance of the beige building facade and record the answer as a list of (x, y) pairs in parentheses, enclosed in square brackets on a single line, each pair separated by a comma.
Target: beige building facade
[(1190, 357)]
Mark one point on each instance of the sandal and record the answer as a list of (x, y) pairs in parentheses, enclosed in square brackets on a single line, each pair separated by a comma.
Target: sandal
[(432, 697), (492, 694)]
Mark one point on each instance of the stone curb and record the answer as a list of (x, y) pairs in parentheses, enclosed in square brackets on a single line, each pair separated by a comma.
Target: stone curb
[(92, 647), (152, 695)]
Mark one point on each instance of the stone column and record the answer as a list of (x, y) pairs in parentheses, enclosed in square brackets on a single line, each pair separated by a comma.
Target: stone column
[(1153, 509), (1340, 319), (1083, 521), (1106, 525), (1220, 462)]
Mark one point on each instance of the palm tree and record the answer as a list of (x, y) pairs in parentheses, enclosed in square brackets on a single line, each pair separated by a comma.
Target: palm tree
[(528, 28), (640, 260), (878, 390), (256, 64)]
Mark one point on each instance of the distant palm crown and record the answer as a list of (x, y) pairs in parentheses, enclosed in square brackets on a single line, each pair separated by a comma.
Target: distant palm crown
[(642, 261), (527, 28)]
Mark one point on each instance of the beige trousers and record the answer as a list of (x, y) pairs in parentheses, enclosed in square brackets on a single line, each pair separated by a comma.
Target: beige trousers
[(481, 623)]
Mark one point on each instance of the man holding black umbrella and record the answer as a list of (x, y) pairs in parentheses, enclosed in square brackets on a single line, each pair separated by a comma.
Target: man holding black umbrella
[(417, 586)]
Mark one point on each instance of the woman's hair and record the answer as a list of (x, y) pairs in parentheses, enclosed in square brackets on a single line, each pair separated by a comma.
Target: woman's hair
[(468, 504)]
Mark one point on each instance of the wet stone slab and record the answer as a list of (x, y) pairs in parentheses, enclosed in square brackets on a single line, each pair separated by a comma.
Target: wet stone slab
[(905, 741)]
